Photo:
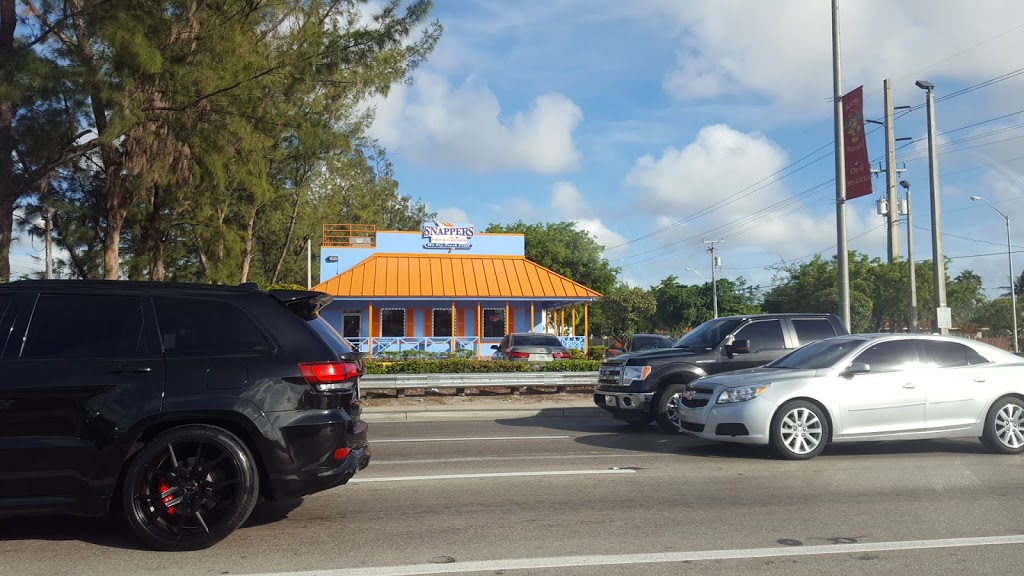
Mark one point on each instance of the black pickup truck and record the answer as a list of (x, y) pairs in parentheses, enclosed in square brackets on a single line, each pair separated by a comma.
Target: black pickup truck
[(647, 386)]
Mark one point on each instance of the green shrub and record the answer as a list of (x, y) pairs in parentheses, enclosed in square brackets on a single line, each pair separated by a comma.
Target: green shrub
[(571, 366), (596, 352), (575, 354)]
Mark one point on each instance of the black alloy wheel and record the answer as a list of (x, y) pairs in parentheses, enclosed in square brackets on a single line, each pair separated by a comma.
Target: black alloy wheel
[(189, 488)]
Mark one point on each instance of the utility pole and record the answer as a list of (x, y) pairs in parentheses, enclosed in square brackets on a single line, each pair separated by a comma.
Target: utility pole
[(910, 259), (842, 254), (890, 212), (892, 218), (938, 258), (716, 262), (48, 219)]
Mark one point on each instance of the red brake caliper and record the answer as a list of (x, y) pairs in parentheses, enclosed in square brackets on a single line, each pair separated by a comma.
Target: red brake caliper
[(163, 487)]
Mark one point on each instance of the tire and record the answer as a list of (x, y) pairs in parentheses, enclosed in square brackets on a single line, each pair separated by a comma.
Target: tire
[(666, 408), (1004, 426), (189, 488), (799, 431)]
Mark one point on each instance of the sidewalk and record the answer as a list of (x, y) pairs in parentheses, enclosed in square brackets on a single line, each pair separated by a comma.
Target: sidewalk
[(447, 408)]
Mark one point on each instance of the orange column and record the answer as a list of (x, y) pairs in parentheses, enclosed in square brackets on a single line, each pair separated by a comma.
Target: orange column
[(532, 317), (586, 327), (508, 320), (369, 341), (479, 332), (453, 327)]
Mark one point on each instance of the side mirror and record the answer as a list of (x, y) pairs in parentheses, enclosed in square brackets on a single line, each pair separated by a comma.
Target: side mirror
[(856, 368), (494, 346), (737, 347)]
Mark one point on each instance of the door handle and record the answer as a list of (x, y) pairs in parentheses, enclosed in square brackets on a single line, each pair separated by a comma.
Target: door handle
[(908, 386), (123, 370), (979, 379)]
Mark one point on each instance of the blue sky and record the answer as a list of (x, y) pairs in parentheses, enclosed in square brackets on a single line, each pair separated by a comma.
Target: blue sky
[(633, 117), (673, 115)]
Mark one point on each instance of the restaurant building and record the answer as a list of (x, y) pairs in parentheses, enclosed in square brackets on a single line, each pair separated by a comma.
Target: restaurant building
[(445, 288)]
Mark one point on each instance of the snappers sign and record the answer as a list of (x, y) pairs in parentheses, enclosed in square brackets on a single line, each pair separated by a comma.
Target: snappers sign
[(448, 236)]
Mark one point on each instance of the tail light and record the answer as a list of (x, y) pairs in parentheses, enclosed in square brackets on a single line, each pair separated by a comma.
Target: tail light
[(328, 376), (560, 355), (518, 354)]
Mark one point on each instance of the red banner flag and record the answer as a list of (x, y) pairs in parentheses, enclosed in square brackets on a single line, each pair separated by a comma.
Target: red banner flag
[(855, 147)]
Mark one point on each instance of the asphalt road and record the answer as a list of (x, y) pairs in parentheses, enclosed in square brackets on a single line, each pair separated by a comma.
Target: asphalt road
[(589, 496)]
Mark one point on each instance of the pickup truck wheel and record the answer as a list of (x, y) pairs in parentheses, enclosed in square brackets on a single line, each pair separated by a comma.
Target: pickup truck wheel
[(667, 407)]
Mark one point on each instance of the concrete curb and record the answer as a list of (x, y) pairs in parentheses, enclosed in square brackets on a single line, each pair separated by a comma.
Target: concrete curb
[(413, 415)]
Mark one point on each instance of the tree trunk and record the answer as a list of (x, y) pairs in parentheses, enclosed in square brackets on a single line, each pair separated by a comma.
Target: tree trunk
[(153, 238), (115, 221), (250, 229), (8, 197), (287, 238)]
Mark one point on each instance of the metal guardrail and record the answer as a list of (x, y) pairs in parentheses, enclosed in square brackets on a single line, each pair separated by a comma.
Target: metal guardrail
[(516, 381)]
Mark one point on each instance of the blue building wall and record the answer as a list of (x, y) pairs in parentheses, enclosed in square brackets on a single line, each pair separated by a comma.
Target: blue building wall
[(482, 244)]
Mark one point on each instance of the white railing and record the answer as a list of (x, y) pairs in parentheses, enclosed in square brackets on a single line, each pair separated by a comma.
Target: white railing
[(397, 345), (573, 342)]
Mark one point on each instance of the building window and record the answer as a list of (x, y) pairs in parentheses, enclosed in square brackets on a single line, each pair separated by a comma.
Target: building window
[(392, 323), (494, 322), (442, 323)]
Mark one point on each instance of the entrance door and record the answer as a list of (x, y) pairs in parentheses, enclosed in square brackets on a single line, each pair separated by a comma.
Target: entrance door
[(352, 325)]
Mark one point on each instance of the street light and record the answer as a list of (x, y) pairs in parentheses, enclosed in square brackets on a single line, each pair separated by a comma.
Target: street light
[(938, 262), (1009, 260), (714, 289), (910, 259)]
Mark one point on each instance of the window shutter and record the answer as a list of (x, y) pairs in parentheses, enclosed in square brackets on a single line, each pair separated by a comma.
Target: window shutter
[(461, 325), (510, 322), (428, 322), (410, 322)]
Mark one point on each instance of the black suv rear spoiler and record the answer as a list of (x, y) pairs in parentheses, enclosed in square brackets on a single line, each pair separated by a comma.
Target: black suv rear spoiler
[(304, 303)]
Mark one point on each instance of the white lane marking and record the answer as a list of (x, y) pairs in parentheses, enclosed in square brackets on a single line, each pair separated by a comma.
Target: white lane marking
[(377, 462), (469, 439), (655, 558), (493, 475)]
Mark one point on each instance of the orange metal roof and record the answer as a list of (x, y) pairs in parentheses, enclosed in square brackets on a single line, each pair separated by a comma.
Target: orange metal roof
[(452, 276)]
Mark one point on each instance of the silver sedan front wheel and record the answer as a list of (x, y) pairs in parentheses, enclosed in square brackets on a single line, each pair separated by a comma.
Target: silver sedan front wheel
[(1004, 426), (799, 431)]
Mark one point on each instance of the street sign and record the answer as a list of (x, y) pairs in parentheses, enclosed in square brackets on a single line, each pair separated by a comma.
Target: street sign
[(944, 317)]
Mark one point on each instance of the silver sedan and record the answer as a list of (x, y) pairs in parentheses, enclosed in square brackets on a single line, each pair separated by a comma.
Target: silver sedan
[(865, 387)]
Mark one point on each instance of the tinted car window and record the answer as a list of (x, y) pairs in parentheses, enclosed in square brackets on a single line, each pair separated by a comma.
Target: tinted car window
[(817, 355), (85, 326), (813, 329), (327, 332), (535, 340), (197, 326), (763, 335), (707, 335), (941, 354), (888, 356)]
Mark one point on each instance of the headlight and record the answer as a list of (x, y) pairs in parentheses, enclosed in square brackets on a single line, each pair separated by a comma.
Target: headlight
[(630, 373), (741, 394)]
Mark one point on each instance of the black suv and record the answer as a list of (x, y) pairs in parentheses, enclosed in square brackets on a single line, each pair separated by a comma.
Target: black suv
[(647, 386), (178, 405)]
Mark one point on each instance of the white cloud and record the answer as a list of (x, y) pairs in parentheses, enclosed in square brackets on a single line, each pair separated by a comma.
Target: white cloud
[(434, 124), (452, 215), (783, 50), (723, 168), (568, 200)]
